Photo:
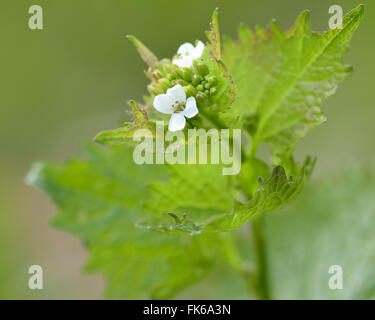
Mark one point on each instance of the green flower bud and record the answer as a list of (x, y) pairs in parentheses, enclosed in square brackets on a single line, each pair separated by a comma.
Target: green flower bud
[(212, 80), (187, 74), (196, 79), (156, 75), (179, 73), (213, 91), (155, 89), (182, 82), (199, 95), (207, 86), (200, 88), (165, 66), (174, 74), (195, 64), (164, 83), (190, 90), (202, 68)]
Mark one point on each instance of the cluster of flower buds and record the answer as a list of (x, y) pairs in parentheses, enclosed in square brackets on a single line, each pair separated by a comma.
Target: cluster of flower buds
[(196, 81)]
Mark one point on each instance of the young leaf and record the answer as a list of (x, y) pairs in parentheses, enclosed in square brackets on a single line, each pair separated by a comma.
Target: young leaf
[(225, 90), (127, 133), (283, 77), (273, 193), (213, 36), (145, 53)]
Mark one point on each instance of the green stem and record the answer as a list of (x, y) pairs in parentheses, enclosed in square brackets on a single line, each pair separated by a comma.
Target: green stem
[(262, 287), (261, 272)]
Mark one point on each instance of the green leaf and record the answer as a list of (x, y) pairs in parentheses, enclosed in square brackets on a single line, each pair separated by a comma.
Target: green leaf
[(127, 133), (145, 53), (332, 223), (99, 200), (225, 88), (273, 193), (194, 192), (199, 193), (282, 78), (192, 186), (213, 36)]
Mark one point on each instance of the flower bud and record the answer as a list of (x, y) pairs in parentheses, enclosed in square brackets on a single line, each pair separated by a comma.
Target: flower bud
[(211, 80), (165, 66), (184, 73), (182, 82), (199, 95), (200, 88), (173, 75), (202, 68), (164, 84), (190, 90), (195, 64), (196, 79), (187, 74), (202, 95), (155, 89), (179, 73), (213, 91), (168, 76), (156, 74)]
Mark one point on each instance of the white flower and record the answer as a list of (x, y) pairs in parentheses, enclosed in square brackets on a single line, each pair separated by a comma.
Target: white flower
[(188, 53), (174, 102)]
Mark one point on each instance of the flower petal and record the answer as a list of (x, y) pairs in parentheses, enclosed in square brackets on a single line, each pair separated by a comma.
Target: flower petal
[(198, 50), (185, 49), (185, 62), (177, 93), (191, 108), (163, 103), (177, 122)]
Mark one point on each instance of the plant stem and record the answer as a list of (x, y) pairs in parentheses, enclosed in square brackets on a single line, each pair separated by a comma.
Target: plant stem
[(261, 285), (261, 272)]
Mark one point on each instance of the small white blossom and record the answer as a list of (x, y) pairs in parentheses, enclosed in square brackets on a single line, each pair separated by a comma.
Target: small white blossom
[(188, 53), (174, 102)]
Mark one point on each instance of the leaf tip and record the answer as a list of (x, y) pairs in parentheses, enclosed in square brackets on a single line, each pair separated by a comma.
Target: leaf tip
[(33, 175), (146, 55), (99, 137), (305, 18)]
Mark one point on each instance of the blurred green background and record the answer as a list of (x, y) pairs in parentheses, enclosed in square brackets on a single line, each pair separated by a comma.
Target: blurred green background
[(61, 85)]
